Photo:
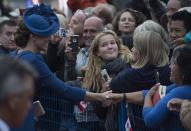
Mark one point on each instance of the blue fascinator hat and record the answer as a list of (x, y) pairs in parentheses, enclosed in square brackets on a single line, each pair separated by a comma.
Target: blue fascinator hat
[(41, 20)]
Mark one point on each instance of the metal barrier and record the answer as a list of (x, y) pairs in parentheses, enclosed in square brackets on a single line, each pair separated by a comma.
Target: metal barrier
[(136, 119), (60, 114), (60, 117), (56, 107)]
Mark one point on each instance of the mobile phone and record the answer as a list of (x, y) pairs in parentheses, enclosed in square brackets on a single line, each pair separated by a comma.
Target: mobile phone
[(38, 109), (61, 32), (74, 43), (105, 75), (162, 91)]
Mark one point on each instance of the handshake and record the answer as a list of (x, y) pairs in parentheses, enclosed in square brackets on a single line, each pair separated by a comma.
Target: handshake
[(107, 98)]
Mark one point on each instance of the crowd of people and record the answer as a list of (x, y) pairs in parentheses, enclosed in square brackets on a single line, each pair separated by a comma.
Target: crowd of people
[(122, 68)]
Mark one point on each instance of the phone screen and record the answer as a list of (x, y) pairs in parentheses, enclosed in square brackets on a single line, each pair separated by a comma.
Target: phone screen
[(38, 109), (105, 75)]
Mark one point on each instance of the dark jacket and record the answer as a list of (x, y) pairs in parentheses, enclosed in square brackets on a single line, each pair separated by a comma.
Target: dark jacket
[(55, 60), (130, 79)]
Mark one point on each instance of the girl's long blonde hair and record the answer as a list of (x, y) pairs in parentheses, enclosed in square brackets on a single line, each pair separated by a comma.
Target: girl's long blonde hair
[(93, 79)]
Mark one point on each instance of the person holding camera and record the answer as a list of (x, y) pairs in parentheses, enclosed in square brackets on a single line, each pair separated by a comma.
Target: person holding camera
[(55, 57), (92, 26)]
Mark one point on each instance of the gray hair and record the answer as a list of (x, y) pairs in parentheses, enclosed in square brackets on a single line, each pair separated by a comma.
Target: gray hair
[(150, 25)]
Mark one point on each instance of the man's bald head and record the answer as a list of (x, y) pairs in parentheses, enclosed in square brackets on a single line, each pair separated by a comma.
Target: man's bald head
[(96, 21), (92, 26)]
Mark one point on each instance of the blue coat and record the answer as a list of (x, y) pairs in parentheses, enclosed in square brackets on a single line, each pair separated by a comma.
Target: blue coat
[(160, 116), (47, 79)]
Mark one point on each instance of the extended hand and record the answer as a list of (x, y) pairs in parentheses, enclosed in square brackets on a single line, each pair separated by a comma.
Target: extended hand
[(175, 104), (104, 96), (116, 97), (153, 90)]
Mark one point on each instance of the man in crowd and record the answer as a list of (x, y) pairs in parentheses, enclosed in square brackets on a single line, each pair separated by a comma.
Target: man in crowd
[(76, 25), (16, 92), (172, 7), (175, 5), (7, 30), (92, 26), (55, 54)]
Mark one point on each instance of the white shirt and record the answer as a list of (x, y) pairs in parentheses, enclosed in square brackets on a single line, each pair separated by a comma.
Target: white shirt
[(3, 126), (82, 59)]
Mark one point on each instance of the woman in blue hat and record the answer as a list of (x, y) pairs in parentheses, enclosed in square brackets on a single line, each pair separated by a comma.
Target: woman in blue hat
[(32, 36)]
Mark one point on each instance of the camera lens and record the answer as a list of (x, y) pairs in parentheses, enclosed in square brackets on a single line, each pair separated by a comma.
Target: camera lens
[(63, 34), (74, 40)]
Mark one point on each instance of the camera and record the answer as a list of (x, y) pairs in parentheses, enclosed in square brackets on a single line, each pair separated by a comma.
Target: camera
[(61, 32), (74, 43)]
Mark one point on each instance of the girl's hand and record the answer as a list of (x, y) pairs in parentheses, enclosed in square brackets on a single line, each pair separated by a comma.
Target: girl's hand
[(105, 96)]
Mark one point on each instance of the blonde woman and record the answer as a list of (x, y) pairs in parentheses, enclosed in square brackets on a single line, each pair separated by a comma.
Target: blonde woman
[(106, 52), (149, 54)]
